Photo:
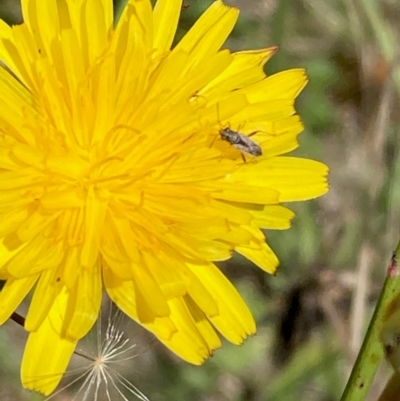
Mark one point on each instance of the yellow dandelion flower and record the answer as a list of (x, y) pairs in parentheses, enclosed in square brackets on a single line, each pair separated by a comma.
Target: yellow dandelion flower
[(114, 174)]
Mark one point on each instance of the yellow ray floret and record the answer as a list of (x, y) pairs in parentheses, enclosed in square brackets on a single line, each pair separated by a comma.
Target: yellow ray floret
[(114, 175), (47, 353)]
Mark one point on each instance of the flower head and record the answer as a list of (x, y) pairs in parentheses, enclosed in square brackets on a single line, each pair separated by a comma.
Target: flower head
[(114, 173)]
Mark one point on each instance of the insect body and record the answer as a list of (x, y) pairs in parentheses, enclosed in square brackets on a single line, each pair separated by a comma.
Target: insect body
[(241, 141)]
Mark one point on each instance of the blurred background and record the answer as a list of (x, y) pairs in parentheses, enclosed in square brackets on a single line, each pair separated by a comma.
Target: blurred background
[(313, 314)]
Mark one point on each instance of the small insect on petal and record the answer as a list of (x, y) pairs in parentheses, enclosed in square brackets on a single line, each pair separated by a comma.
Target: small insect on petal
[(240, 141)]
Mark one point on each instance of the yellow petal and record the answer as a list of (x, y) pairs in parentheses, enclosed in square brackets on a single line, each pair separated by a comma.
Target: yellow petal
[(15, 99), (261, 255), (275, 146), (72, 59), (198, 292), (83, 305), (146, 284), (35, 224), (232, 213), (209, 32), (178, 331), (8, 251), (140, 13), (294, 178), (42, 19), (242, 191), (96, 19), (27, 255), (266, 130), (192, 342), (282, 85), (69, 269), (165, 21), (204, 326), (13, 293), (234, 320), (46, 355), (165, 272), (273, 217), (245, 69), (95, 213), (200, 75), (49, 286), (5, 40), (237, 235), (268, 110)]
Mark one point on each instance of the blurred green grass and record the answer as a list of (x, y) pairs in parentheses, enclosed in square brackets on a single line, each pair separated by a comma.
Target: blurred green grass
[(313, 314)]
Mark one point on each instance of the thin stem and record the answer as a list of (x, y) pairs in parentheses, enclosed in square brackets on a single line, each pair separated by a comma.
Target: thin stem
[(18, 319), (372, 351)]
